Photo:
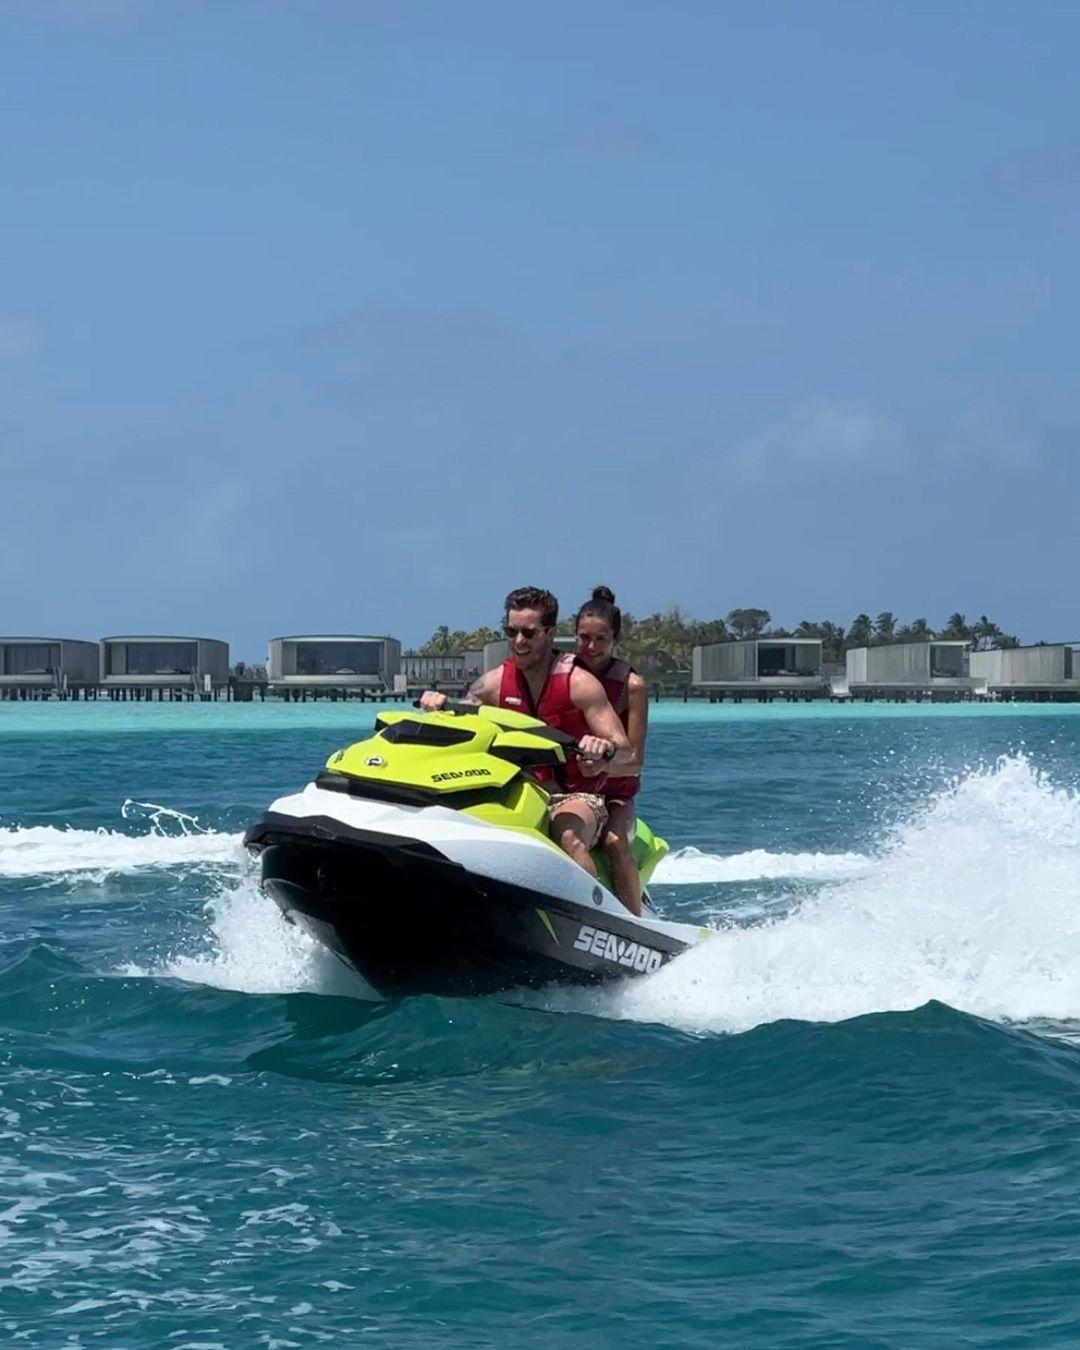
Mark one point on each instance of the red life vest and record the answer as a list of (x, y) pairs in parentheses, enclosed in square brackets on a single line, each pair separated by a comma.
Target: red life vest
[(616, 682), (556, 708)]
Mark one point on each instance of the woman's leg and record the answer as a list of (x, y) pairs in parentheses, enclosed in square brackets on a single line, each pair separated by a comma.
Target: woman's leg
[(622, 822)]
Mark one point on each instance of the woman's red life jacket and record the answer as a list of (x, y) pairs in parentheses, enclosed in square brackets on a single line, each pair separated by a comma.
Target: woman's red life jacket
[(616, 682), (557, 709)]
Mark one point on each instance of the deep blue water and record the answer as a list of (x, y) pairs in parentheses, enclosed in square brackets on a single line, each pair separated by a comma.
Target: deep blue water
[(853, 1119)]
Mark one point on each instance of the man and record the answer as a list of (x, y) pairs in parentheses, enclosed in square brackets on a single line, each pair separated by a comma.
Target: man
[(537, 679)]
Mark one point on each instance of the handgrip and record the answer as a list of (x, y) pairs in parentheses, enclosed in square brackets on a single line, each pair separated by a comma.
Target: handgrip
[(459, 706)]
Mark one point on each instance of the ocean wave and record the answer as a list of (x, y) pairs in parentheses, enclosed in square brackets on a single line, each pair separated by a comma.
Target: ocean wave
[(249, 947), (974, 902), (173, 839), (44, 850), (691, 867), (176, 839)]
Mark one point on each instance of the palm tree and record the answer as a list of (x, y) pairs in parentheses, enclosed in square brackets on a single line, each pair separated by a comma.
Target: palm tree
[(986, 634), (861, 632), (885, 627), (478, 637), (832, 640), (916, 631), (439, 643), (748, 623), (711, 630)]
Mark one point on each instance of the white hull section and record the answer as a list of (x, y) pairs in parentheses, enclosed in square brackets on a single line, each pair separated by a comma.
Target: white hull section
[(485, 850)]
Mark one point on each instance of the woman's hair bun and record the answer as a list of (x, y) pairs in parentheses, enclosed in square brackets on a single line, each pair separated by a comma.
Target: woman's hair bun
[(601, 606)]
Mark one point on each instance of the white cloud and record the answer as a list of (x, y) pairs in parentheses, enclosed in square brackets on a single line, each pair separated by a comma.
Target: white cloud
[(19, 337), (822, 435), (993, 435)]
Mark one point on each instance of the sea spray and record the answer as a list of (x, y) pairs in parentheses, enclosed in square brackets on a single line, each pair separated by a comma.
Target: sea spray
[(250, 947), (47, 850), (691, 867), (42, 850), (973, 901), (174, 838)]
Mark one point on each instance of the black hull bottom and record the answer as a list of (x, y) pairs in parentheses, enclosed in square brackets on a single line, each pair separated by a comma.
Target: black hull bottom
[(411, 921)]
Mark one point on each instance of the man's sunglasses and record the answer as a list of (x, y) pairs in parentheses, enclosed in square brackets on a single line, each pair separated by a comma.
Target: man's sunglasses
[(527, 633)]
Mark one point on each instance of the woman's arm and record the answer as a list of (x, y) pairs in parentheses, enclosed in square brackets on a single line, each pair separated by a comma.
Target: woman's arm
[(637, 718)]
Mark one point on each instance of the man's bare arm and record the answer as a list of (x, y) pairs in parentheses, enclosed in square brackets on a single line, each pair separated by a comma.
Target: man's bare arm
[(485, 689), (603, 721)]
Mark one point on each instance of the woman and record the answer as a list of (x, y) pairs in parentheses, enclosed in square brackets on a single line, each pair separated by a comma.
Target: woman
[(597, 626)]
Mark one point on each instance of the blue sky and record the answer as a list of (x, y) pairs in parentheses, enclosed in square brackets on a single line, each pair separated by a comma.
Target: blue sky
[(349, 316)]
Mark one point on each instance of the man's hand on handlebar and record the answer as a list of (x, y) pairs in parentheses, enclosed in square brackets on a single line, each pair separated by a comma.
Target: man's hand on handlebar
[(431, 701), (593, 752)]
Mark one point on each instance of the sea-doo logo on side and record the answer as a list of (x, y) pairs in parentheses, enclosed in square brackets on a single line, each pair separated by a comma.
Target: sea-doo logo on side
[(623, 952), (460, 773), (374, 761)]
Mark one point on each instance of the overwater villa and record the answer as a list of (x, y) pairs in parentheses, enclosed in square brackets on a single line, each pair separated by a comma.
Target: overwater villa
[(1050, 671), (163, 667), (764, 667), (448, 672), (934, 669), (39, 667), (337, 665)]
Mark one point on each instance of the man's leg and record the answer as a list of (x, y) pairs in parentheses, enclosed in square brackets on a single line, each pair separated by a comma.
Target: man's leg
[(625, 877), (574, 829)]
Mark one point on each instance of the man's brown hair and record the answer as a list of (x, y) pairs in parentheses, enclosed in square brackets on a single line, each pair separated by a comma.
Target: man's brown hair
[(532, 597)]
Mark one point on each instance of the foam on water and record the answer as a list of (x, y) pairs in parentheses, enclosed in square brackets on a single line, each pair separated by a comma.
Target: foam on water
[(251, 948), (691, 867), (974, 901), (173, 840), (177, 840)]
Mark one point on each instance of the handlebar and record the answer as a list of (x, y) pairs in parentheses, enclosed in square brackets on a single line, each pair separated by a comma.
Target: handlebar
[(462, 707)]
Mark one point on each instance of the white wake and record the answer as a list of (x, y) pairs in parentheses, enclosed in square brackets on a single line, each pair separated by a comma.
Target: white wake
[(973, 901), (173, 839), (691, 867), (251, 948)]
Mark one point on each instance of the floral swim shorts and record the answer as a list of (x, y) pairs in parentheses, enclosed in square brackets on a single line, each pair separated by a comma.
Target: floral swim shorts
[(592, 799)]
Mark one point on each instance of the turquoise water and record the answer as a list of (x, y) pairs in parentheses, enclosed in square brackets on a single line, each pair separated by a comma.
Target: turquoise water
[(853, 1119)]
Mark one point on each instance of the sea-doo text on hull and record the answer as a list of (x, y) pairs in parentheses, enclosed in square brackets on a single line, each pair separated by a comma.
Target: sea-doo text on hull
[(421, 857)]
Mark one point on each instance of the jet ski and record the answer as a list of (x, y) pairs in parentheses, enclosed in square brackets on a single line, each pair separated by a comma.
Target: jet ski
[(422, 858)]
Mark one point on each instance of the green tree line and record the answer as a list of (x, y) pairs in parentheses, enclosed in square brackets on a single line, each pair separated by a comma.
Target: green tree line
[(662, 643)]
